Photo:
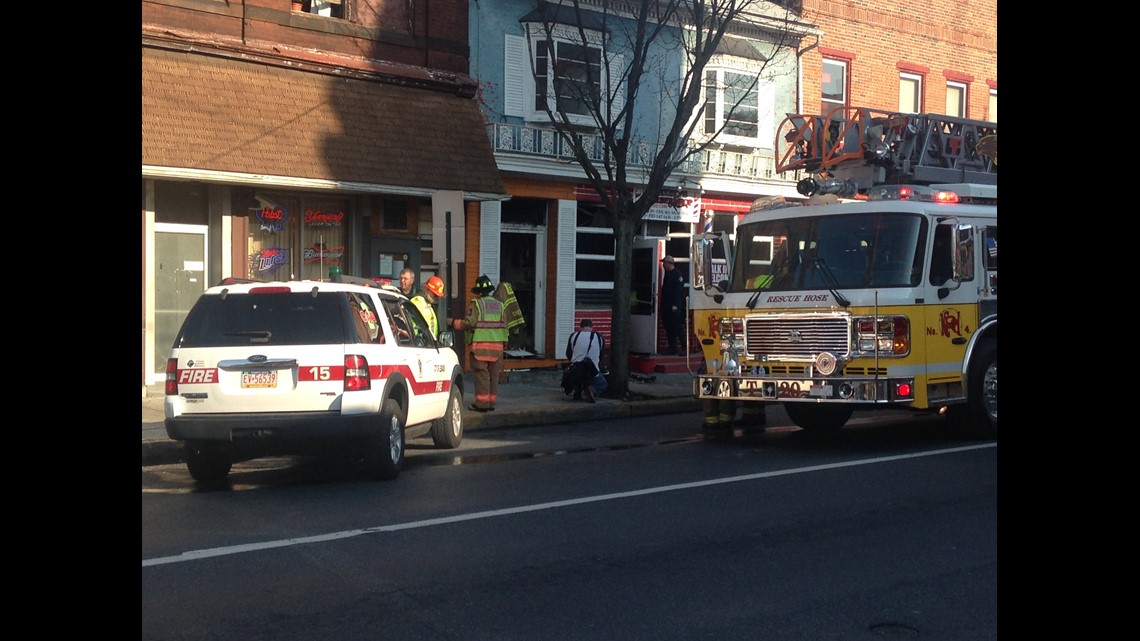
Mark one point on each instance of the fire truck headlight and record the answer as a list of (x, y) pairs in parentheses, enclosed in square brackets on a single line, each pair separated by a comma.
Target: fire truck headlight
[(727, 344), (867, 345)]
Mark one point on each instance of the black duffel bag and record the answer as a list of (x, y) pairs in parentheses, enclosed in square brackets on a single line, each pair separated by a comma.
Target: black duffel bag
[(578, 374)]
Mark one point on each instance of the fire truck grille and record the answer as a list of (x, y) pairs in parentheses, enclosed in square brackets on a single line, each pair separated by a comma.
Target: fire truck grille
[(797, 338)]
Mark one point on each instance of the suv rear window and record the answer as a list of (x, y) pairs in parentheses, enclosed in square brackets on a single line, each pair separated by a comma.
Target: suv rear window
[(267, 319)]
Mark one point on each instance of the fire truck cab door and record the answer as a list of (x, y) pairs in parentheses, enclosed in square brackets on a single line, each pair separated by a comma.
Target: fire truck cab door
[(952, 286)]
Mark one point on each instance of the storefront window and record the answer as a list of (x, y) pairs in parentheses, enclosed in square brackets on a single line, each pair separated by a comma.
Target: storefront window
[(296, 238)]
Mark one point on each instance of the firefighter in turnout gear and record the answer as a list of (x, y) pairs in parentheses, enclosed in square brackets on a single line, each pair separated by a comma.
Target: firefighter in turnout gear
[(720, 414), (752, 415), (505, 294), (425, 302), (486, 333)]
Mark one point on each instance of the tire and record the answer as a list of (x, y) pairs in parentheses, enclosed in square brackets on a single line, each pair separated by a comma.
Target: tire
[(447, 431), (817, 417), (385, 456), (207, 463), (978, 417)]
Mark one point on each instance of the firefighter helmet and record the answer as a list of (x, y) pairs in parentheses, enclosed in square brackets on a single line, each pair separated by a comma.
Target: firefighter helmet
[(434, 285), (483, 285)]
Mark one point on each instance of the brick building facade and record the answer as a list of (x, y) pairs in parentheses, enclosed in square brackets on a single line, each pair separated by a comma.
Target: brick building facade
[(938, 44), (281, 139)]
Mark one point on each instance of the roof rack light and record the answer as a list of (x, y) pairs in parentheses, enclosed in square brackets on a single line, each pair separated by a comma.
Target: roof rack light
[(917, 193)]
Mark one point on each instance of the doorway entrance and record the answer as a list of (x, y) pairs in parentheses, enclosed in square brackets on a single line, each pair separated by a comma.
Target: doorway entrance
[(523, 265), (179, 279), (390, 254)]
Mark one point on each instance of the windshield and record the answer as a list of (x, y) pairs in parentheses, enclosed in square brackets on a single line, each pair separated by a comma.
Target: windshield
[(823, 252)]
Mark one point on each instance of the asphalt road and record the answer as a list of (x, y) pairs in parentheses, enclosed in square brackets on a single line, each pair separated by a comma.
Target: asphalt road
[(622, 529)]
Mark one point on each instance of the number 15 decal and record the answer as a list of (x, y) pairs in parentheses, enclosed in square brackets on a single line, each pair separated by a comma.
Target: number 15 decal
[(319, 373)]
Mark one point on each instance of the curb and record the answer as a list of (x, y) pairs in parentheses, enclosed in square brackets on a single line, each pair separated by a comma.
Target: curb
[(170, 452)]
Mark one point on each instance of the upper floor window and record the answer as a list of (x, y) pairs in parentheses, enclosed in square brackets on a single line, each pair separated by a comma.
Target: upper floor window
[(567, 76), (738, 105), (559, 71), (910, 93), (991, 115), (833, 85), (956, 99), (328, 8)]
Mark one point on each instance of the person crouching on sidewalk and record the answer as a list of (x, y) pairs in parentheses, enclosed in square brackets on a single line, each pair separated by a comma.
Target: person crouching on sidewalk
[(584, 351)]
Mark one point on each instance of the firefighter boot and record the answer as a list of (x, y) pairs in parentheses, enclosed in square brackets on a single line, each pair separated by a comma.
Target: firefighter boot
[(752, 415), (718, 414)]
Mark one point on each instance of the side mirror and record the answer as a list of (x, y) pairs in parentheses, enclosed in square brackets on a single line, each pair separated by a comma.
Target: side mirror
[(702, 264), (447, 338)]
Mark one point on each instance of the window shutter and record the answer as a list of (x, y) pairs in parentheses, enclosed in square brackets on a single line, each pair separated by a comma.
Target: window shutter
[(516, 73), (767, 113), (490, 227), (617, 69), (565, 277)]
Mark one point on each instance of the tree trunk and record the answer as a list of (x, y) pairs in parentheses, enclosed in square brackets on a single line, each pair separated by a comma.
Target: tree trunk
[(625, 224)]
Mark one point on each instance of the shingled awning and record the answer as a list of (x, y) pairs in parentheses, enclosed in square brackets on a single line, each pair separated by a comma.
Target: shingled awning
[(216, 114)]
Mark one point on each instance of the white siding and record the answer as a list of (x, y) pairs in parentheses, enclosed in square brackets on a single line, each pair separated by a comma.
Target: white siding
[(518, 81), (490, 227), (617, 68), (565, 277)]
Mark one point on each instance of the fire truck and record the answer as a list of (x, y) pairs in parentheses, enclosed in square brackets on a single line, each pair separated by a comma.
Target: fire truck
[(876, 290)]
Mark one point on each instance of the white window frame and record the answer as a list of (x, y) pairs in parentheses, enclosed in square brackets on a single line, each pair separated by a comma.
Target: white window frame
[(959, 110), (991, 114), (765, 101), (563, 34), (832, 104), (910, 83)]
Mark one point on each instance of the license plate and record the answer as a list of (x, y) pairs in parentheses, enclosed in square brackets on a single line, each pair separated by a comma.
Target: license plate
[(259, 379), (821, 390)]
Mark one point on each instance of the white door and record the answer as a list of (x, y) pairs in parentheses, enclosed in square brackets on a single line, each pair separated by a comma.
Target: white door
[(179, 279), (647, 255)]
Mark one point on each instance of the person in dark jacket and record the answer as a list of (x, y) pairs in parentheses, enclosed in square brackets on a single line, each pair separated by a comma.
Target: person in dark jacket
[(673, 306)]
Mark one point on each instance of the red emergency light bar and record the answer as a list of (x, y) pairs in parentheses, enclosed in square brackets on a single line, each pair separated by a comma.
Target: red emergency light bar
[(912, 192)]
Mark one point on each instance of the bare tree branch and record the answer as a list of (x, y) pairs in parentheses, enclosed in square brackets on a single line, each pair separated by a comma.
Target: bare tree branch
[(598, 84)]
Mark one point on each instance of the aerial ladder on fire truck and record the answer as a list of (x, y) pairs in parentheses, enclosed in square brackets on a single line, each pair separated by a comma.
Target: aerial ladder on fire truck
[(852, 149)]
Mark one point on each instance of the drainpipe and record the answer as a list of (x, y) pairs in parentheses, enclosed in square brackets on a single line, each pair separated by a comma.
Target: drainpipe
[(800, 73)]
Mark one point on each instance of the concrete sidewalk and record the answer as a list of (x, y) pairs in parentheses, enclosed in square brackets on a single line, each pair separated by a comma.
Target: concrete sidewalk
[(527, 398)]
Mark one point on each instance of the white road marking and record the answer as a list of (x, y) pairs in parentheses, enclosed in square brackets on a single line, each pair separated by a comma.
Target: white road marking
[(195, 555)]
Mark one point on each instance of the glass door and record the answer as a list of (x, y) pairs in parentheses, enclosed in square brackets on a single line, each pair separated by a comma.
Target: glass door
[(180, 278), (296, 239)]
